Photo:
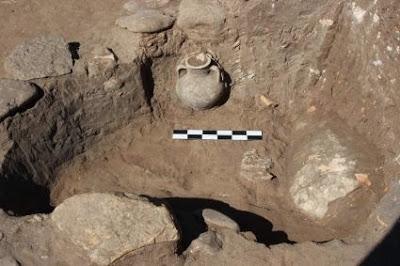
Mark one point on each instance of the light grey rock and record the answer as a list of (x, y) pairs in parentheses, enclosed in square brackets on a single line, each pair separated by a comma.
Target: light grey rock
[(107, 226), (201, 19), (14, 94), (227, 249), (132, 6), (8, 261), (102, 62), (327, 174), (215, 219), (41, 57), (254, 167), (146, 21), (207, 243)]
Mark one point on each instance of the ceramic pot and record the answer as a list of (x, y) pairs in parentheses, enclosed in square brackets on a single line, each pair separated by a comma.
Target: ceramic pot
[(199, 83)]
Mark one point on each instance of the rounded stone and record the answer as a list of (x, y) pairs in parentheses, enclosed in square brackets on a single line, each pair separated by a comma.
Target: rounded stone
[(215, 219), (146, 21)]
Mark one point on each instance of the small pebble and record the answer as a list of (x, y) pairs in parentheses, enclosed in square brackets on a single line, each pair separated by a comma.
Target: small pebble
[(363, 179), (249, 236), (267, 102), (312, 109)]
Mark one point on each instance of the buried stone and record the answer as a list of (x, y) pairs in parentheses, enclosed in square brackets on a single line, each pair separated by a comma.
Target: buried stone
[(201, 19), (255, 167), (327, 173)]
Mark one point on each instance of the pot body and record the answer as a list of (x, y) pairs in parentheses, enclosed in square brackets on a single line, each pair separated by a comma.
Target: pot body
[(197, 88)]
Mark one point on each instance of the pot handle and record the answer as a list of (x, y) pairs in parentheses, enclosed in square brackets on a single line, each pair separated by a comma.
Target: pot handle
[(217, 72), (180, 69)]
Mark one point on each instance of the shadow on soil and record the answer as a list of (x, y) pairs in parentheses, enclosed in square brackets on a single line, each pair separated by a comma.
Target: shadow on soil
[(386, 253), (22, 197), (188, 214)]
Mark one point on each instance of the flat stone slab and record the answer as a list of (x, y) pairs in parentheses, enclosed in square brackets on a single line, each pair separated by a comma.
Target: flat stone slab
[(108, 226), (327, 174), (13, 95), (146, 21), (45, 56)]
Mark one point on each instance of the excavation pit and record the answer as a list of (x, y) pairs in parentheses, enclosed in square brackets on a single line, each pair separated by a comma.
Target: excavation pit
[(105, 140)]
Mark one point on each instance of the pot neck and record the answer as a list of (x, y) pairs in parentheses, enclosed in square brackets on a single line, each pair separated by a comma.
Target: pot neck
[(206, 64)]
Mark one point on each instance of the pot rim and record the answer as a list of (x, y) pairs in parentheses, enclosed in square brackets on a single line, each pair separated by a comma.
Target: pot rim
[(206, 64)]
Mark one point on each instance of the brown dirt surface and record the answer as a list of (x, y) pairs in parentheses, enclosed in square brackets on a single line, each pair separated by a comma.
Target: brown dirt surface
[(86, 22)]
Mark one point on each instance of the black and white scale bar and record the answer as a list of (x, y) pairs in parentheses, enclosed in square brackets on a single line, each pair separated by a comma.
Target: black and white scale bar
[(198, 134)]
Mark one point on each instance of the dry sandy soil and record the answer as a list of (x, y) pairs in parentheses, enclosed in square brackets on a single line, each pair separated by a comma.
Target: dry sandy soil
[(321, 64)]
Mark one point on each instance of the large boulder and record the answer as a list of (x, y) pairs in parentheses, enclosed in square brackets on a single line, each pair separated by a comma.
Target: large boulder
[(45, 56), (201, 19), (108, 226), (13, 95), (327, 173), (146, 21)]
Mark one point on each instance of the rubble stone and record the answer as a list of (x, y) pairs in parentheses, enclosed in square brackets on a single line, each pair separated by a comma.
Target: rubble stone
[(45, 56), (108, 226)]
